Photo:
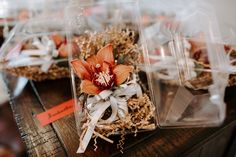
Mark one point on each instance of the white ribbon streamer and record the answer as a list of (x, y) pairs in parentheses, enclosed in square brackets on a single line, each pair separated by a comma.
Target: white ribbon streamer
[(117, 100), (91, 126)]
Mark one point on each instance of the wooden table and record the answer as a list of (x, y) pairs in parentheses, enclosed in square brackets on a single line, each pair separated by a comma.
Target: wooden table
[(60, 138)]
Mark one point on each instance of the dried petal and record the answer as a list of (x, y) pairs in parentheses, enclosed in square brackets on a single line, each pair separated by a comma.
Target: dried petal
[(106, 55), (122, 72), (89, 88), (64, 49), (58, 39), (93, 60), (81, 69)]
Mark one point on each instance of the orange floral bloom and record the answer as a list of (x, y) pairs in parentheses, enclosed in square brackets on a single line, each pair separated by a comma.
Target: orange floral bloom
[(100, 72)]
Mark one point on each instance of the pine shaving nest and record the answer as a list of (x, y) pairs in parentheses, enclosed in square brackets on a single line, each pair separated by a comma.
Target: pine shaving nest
[(200, 82), (203, 81), (141, 116), (123, 42), (36, 74)]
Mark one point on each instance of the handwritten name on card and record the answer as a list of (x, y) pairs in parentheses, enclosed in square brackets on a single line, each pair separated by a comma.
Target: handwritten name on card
[(56, 113)]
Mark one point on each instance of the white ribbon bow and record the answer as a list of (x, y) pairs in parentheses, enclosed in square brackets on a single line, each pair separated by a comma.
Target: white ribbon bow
[(46, 50), (97, 105)]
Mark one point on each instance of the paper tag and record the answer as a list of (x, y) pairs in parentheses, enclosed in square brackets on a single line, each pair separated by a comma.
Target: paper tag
[(56, 113)]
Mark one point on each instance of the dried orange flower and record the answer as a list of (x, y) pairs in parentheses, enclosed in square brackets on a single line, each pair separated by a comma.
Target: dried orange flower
[(100, 72)]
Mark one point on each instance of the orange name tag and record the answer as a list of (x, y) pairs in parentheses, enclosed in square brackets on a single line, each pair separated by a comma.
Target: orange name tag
[(56, 113)]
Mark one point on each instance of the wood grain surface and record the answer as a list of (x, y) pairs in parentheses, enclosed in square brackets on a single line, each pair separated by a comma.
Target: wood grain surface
[(40, 141), (61, 139)]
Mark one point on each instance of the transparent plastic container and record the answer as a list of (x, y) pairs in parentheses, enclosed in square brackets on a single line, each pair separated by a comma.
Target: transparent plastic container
[(36, 49), (110, 91), (186, 64)]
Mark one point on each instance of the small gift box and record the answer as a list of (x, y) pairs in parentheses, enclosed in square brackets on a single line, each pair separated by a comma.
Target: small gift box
[(37, 49), (110, 90), (186, 64)]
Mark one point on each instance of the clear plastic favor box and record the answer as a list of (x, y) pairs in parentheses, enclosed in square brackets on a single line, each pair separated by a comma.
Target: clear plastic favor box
[(37, 48), (185, 62), (110, 90)]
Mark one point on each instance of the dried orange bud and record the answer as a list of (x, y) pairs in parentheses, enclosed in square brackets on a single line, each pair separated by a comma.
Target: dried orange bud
[(65, 48), (58, 39)]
